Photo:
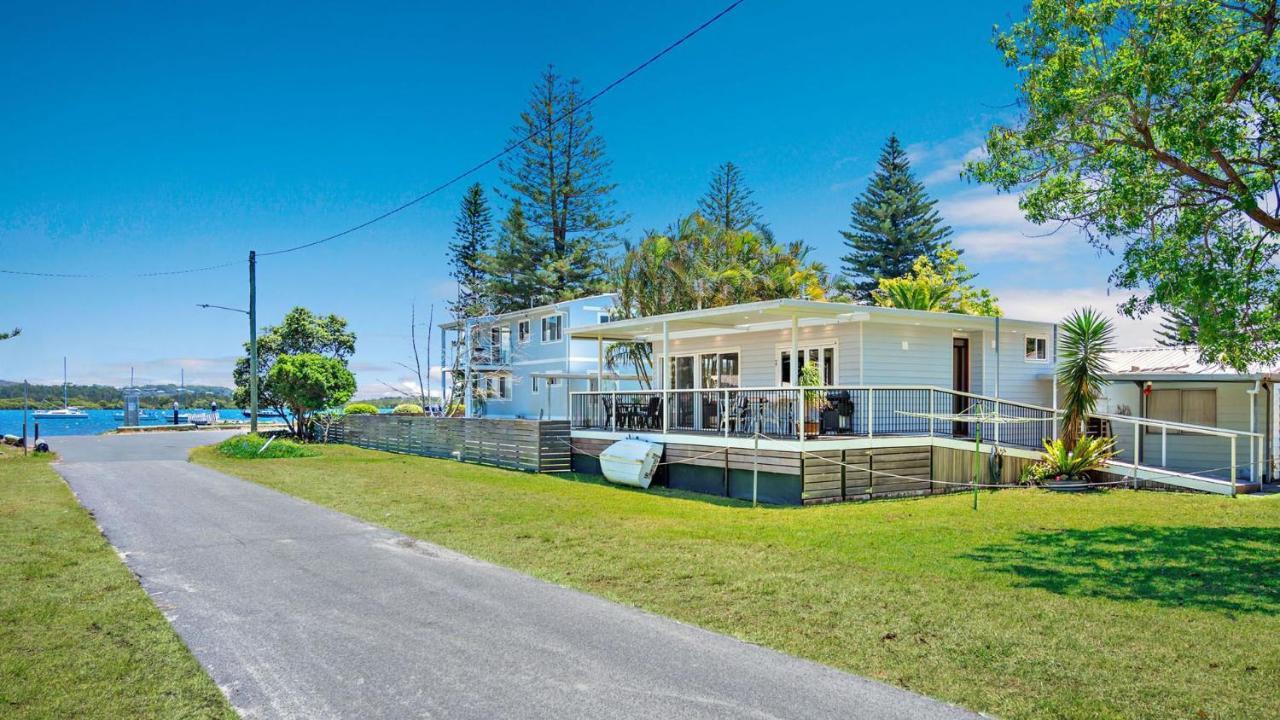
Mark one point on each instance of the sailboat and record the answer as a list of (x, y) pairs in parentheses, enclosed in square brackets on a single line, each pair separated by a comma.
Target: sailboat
[(66, 412)]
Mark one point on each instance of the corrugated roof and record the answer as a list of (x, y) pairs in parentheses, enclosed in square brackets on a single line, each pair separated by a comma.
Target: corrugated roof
[(1173, 361)]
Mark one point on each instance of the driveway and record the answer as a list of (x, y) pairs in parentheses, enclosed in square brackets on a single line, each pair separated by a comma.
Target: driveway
[(298, 611)]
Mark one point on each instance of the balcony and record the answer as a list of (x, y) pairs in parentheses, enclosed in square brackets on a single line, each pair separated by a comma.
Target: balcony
[(812, 414), (490, 357)]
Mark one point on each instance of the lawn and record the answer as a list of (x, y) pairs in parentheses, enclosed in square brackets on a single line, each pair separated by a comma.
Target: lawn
[(1039, 605), (79, 638)]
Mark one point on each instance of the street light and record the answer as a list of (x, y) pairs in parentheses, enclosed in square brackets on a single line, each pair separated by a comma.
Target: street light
[(252, 312)]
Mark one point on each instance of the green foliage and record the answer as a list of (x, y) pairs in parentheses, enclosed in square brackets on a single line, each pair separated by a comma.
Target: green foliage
[(700, 264), (472, 231), (1176, 330), (360, 408), (1157, 124), (892, 223), (940, 288), (10, 334), (1063, 464), (514, 275), (560, 176), (309, 382), (408, 409), (92, 397), (1086, 336), (301, 332), (728, 202), (250, 447)]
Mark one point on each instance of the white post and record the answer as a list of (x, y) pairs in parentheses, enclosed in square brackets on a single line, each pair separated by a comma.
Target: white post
[(666, 370), (1137, 428), (1164, 445), (466, 374), (613, 411), (931, 393), (795, 375), (599, 363), (1253, 428), (996, 430), (724, 412), (1053, 380), (871, 413), (1233, 466)]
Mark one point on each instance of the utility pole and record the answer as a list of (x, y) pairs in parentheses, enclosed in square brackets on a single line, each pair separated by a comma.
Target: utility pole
[(253, 341)]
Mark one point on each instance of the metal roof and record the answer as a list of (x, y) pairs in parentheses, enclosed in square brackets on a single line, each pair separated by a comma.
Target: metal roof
[(1175, 363)]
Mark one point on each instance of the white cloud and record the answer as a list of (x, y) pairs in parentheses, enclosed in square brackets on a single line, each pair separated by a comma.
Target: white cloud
[(990, 225), (1054, 305)]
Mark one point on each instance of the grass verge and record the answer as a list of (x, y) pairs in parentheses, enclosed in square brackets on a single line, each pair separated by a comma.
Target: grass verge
[(79, 638), (1040, 605)]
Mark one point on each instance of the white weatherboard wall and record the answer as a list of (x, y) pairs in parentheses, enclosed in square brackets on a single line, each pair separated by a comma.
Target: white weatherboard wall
[(1187, 452)]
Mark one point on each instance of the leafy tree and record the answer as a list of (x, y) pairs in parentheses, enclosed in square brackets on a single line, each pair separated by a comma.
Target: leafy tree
[(301, 332), (560, 175), (1156, 124), (700, 264), (943, 287), (11, 334), (309, 382), (891, 224), (471, 238), (1086, 337), (728, 202)]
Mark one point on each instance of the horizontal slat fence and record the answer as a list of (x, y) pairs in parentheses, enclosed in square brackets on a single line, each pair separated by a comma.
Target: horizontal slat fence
[(532, 445)]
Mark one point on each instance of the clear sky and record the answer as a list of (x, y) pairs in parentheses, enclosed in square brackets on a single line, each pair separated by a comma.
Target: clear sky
[(152, 136)]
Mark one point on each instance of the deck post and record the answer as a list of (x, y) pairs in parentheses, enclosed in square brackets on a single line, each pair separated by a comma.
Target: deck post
[(996, 430), (1233, 466), (1137, 430), (613, 411), (599, 363), (795, 376), (724, 412), (1164, 445), (871, 413), (665, 370), (931, 412)]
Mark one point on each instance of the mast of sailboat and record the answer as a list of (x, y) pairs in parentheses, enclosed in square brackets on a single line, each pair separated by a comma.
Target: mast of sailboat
[(64, 382)]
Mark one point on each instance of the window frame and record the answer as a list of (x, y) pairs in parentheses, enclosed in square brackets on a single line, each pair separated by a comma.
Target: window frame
[(1041, 341), (559, 318), (803, 348), (524, 331)]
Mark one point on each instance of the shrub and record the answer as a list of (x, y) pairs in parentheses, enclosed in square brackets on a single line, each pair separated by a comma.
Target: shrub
[(360, 409), (250, 447), (1061, 464), (407, 409)]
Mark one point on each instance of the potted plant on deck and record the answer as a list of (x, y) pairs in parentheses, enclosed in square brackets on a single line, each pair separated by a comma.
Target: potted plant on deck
[(809, 377)]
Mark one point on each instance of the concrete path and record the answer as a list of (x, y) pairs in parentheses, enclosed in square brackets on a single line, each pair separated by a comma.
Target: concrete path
[(302, 612)]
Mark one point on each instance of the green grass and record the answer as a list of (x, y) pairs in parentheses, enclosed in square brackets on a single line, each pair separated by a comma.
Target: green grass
[(1039, 605), (251, 447), (79, 638)]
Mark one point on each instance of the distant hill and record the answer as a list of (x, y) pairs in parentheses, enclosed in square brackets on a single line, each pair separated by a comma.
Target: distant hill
[(105, 396)]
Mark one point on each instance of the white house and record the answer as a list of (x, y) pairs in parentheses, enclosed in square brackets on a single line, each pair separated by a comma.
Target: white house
[(523, 364), (1173, 385)]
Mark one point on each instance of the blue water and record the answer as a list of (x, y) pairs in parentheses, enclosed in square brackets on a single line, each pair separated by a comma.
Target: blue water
[(99, 421)]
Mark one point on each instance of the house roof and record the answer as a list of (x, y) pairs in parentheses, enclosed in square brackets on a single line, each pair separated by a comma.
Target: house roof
[(777, 314), (1175, 363), (514, 314)]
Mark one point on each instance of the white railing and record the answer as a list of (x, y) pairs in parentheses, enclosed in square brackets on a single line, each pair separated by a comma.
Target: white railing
[(1257, 446), (799, 413)]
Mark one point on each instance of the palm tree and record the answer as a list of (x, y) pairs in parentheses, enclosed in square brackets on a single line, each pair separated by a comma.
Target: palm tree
[(1086, 336)]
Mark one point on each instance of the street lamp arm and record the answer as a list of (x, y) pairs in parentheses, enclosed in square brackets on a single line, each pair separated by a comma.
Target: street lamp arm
[(206, 306)]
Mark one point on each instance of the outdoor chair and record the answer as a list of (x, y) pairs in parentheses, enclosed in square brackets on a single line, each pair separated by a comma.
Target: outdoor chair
[(653, 413)]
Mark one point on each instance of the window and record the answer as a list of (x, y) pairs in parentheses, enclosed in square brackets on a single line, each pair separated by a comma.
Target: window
[(499, 387), (522, 331), (551, 328), (720, 370), (604, 318), (1037, 348), (534, 387), (1193, 407), (824, 357), (553, 381)]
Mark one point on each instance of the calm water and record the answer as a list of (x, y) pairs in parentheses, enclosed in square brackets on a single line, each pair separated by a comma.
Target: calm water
[(99, 421)]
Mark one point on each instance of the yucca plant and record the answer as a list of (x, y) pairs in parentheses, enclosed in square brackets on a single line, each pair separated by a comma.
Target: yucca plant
[(1086, 335), (1073, 464)]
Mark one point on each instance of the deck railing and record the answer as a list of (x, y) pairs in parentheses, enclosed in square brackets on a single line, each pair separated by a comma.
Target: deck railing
[(791, 413)]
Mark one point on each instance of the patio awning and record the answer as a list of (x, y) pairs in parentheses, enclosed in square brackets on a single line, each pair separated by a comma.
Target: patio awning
[(772, 315)]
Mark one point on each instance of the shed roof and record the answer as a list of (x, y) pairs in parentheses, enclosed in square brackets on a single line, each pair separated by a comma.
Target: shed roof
[(1176, 363)]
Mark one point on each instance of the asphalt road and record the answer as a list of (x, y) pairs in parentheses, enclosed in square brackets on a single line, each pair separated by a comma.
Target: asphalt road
[(298, 611)]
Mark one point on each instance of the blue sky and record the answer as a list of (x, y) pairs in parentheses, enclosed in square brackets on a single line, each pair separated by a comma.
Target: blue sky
[(146, 137)]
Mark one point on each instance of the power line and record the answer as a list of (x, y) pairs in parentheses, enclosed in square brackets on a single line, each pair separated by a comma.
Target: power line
[(438, 188)]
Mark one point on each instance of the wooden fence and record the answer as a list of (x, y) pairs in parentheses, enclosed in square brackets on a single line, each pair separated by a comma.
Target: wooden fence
[(532, 445)]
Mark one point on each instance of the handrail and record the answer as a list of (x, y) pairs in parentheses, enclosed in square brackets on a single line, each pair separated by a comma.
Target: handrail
[(1171, 425), (822, 388)]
